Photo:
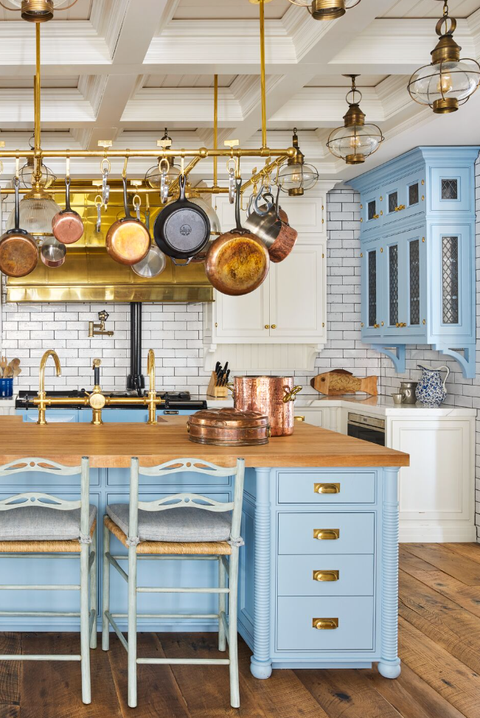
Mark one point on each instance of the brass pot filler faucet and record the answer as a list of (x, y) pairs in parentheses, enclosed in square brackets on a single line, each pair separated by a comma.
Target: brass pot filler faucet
[(97, 399)]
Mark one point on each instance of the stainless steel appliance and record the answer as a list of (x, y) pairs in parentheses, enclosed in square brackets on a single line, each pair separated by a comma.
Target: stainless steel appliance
[(367, 428)]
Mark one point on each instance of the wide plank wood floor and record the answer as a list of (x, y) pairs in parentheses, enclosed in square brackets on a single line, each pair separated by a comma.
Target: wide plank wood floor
[(439, 619)]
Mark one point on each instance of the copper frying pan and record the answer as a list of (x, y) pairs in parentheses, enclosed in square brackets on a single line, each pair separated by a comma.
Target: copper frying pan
[(238, 261), (18, 249), (67, 225), (127, 240)]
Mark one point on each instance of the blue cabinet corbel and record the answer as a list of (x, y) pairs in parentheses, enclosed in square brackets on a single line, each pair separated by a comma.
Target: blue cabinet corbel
[(418, 254)]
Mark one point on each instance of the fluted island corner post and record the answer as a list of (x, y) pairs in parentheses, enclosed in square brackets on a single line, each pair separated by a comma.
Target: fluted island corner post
[(389, 664), (261, 662)]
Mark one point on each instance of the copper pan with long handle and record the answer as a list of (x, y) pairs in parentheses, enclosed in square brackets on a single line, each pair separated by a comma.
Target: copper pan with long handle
[(18, 249), (238, 261), (67, 225), (127, 240)]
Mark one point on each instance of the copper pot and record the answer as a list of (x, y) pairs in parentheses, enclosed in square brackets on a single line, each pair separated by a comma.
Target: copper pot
[(127, 240), (67, 226), (237, 262), (270, 224), (18, 249), (228, 427), (270, 395)]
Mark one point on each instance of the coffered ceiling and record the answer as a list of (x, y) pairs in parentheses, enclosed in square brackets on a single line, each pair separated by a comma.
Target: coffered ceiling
[(126, 69)]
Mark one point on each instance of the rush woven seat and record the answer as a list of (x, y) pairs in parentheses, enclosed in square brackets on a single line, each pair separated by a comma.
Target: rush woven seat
[(53, 546)]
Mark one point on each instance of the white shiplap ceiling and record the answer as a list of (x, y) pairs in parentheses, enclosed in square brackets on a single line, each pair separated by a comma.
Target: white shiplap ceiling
[(125, 69)]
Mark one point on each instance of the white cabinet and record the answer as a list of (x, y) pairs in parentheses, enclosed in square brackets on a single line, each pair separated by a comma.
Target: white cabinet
[(327, 417)]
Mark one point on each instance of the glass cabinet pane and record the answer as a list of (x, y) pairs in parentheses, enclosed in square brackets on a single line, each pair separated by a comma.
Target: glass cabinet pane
[(372, 288), (413, 194), (414, 269), (450, 280), (372, 209), (393, 283), (449, 189), (392, 201)]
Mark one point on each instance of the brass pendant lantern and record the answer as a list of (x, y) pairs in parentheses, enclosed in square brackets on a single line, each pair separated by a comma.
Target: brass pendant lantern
[(355, 141), (38, 10), (296, 176), (449, 81), (326, 9)]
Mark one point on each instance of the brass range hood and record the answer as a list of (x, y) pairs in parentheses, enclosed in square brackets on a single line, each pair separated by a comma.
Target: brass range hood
[(91, 275)]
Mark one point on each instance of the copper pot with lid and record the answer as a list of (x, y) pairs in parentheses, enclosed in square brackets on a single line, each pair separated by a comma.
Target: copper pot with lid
[(18, 249), (270, 395), (228, 427)]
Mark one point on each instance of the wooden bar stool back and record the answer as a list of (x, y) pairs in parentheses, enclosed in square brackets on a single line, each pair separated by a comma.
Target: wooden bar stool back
[(179, 526), (39, 525)]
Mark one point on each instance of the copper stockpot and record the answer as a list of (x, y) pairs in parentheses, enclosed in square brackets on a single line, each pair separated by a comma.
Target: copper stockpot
[(270, 395), (228, 427)]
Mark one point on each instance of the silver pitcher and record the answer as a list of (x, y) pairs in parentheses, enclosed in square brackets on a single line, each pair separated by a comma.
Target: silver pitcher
[(408, 388)]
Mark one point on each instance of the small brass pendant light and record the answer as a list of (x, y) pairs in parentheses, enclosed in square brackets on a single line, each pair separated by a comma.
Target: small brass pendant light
[(355, 141), (326, 9), (449, 81), (296, 176), (38, 10)]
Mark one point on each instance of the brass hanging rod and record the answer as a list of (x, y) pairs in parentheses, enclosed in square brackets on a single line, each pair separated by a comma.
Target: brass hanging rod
[(201, 153)]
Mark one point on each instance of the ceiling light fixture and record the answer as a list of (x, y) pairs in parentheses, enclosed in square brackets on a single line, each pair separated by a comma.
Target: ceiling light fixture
[(38, 10), (153, 176), (296, 176), (355, 141), (449, 81), (326, 9)]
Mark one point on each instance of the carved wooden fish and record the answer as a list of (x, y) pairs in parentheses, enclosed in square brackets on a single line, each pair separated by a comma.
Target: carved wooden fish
[(340, 381)]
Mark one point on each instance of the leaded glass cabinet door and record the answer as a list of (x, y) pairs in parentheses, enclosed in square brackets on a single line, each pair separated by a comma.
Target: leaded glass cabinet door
[(414, 280), (373, 304)]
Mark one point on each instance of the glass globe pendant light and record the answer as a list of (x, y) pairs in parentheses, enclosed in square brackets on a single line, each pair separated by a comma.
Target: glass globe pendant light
[(326, 9), (449, 81), (296, 176), (355, 141), (37, 10)]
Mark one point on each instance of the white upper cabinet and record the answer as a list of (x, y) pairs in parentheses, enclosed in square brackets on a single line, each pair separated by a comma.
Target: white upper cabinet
[(290, 306)]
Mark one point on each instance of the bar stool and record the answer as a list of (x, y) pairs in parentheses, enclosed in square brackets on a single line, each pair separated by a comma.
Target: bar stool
[(38, 525), (179, 526)]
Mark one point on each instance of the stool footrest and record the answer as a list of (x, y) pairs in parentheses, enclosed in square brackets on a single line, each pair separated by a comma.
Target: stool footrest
[(186, 661), (41, 657)]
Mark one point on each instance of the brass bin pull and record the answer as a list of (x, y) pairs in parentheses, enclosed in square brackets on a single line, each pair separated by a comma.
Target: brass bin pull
[(326, 488), (324, 623), (326, 534), (326, 575)]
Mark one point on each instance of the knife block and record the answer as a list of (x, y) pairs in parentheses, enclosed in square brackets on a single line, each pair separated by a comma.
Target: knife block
[(217, 392)]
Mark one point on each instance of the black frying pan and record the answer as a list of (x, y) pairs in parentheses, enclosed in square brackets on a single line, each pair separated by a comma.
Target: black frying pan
[(182, 229)]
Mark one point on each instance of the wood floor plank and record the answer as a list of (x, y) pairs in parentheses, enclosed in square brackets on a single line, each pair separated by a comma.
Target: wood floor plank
[(448, 676), (9, 711), (449, 625), (158, 693), (10, 643), (411, 696), (346, 694), (464, 569), (469, 550), (467, 597), (46, 686)]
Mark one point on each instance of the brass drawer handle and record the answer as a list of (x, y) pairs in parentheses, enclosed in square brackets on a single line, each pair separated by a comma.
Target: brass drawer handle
[(326, 534), (326, 575), (299, 418), (324, 623), (326, 488)]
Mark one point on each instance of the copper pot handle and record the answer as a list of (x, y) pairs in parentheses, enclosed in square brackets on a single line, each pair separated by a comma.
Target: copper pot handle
[(291, 394)]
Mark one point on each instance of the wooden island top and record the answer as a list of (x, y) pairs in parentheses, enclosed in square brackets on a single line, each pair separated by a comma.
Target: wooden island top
[(113, 445)]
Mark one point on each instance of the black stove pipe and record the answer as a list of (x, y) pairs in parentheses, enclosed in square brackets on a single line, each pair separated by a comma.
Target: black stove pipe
[(136, 380)]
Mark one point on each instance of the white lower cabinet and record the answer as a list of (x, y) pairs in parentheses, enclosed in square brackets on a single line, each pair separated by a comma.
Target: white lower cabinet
[(328, 418)]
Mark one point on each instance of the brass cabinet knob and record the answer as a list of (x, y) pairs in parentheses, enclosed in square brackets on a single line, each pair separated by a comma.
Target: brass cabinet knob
[(376, 326), (299, 418), (324, 623), (326, 488), (274, 326), (375, 216), (326, 575), (326, 534), (267, 326)]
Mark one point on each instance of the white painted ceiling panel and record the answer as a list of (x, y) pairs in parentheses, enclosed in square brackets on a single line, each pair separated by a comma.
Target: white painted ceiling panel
[(187, 80), (228, 10), (341, 81), (431, 8)]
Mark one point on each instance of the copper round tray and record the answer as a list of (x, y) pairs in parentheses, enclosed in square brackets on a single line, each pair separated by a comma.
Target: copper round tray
[(228, 427)]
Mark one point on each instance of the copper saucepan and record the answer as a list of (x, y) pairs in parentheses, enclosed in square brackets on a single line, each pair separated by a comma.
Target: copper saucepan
[(127, 240), (18, 249), (67, 225), (270, 224), (238, 261), (53, 253)]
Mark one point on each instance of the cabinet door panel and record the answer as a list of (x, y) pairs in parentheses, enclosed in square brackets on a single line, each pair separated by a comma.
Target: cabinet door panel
[(297, 287), (374, 286), (243, 318), (451, 189)]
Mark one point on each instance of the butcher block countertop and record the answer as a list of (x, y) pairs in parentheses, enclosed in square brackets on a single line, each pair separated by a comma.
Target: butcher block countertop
[(113, 445)]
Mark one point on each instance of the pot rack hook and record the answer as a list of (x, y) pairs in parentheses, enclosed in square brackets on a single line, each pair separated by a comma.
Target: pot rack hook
[(17, 167), (125, 164), (137, 203), (67, 167), (105, 163)]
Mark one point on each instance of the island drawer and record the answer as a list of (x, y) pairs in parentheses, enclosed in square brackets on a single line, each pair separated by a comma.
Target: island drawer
[(345, 624), (328, 575), (326, 533), (329, 488)]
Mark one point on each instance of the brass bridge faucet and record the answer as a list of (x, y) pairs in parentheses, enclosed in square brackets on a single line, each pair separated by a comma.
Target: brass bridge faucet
[(97, 399)]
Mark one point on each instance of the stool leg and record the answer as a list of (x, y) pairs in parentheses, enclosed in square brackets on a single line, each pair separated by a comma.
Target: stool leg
[(222, 605), (232, 628), (93, 590), (106, 590), (132, 626), (84, 624)]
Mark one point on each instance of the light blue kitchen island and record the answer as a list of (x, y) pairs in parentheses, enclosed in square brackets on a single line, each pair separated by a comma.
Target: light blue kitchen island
[(319, 569)]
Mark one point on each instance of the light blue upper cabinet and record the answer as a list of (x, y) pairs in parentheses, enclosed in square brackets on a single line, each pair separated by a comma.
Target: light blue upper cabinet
[(418, 253)]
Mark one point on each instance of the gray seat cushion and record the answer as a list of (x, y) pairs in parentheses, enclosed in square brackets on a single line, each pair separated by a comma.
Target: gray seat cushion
[(35, 523), (182, 524)]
